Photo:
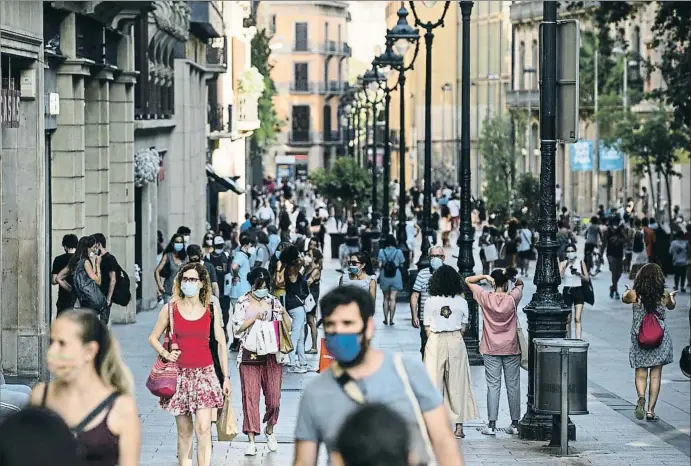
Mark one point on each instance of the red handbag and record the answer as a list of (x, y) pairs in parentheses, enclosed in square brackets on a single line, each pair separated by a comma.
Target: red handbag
[(163, 378), (650, 333)]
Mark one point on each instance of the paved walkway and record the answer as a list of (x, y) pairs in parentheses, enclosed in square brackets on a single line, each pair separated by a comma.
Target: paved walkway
[(609, 435)]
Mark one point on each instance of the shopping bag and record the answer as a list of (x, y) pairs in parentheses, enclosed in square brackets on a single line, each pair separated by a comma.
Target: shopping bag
[(226, 425), (285, 344), (267, 341), (491, 253), (251, 342), (523, 344), (588, 292), (310, 303), (325, 359)]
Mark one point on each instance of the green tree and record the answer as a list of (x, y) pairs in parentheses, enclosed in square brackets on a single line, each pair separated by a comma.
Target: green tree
[(499, 163), (528, 194), (346, 184), (270, 124)]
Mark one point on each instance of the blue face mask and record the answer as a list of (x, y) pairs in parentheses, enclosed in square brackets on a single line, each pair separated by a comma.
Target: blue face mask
[(354, 270), (178, 247), (344, 347), (261, 294), (189, 289), (278, 254), (436, 262)]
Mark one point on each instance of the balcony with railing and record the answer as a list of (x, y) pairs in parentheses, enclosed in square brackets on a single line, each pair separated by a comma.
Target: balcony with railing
[(219, 121), (248, 113), (303, 46), (334, 87), (301, 138), (302, 87), (335, 48), (523, 98)]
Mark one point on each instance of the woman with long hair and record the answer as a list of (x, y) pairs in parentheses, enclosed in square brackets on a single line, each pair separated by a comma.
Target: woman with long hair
[(296, 292), (197, 324), (265, 373), (92, 390), (314, 261), (277, 271), (391, 260), (85, 267), (573, 272), (648, 296), (446, 358), (499, 345), (360, 274), (174, 256), (208, 243)]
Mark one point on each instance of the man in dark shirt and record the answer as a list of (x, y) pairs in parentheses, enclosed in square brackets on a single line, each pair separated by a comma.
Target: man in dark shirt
[(65, 297), (109, 268)]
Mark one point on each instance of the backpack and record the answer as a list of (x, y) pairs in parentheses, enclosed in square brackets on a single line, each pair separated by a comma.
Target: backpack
[(221, 263), (638, 242), (389, 268), (121, 293), (615, 240), (650, 333)]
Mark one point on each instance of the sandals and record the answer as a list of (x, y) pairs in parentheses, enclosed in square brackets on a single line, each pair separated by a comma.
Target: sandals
[(640, 408), (458, 434), (651, 417)]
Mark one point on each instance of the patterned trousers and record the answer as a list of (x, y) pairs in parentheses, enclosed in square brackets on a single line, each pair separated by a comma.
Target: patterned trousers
[(267, 378)]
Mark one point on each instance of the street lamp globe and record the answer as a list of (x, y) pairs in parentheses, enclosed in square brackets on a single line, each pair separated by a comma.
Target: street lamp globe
[(373, 86), (429, 3), (344, 120), (402, 35), (348, 108)]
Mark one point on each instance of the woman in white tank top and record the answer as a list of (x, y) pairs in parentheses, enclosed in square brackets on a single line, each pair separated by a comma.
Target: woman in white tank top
[(573, 272), (360, 274)]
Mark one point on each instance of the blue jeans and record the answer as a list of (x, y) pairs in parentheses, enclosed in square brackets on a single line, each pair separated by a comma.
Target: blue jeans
[(297, 335)]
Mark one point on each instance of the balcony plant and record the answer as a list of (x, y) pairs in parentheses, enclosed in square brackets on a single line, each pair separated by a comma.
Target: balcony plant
[(147, 163), (251, 82)]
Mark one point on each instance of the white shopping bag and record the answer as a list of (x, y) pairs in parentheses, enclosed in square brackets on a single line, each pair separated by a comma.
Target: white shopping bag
[(491, 253), (251, 342), (227, 284), (268, 342)]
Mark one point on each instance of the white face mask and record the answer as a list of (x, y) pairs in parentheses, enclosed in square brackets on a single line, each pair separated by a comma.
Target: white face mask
[(571, 256), (187, 239), (251, 250)]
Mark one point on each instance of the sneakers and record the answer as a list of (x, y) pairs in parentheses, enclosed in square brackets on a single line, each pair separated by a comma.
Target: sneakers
[(251, 449), (489, 431), (512, 430), (271, 441), (297, 369)]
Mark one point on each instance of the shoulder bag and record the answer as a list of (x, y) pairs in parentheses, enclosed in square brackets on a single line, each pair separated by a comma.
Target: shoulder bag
[(522, 343), (163, 377)]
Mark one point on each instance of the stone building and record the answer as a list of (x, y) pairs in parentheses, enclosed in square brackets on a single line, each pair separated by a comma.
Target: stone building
[(24, 197)]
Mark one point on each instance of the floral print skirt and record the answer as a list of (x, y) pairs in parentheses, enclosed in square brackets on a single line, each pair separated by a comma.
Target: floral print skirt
[(197, 389)]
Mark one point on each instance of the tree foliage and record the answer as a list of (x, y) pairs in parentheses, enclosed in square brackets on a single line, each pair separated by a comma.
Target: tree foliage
[(346, 184), (499, 162), (528, 194), (270, 124)]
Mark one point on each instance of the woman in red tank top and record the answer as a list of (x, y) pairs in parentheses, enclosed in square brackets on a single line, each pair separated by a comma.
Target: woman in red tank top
[(198, 389)]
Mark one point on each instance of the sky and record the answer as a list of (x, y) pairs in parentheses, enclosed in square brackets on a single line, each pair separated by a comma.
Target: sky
[(365, 33)]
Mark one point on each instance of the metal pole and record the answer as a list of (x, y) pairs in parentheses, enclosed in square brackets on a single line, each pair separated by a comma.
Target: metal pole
[(626, 106), (365, 161), (564, 428), (386, 212), (427, 203), (596, 148), (356, 141), (466, 236), (374, 163), (443, 125), (546, 312), (402, 159)]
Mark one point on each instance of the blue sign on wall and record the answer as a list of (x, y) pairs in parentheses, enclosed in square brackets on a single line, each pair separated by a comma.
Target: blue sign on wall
[(581, 156), (611, 159)]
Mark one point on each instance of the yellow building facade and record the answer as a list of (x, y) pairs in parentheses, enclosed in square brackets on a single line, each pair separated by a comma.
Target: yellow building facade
[(310, 54)]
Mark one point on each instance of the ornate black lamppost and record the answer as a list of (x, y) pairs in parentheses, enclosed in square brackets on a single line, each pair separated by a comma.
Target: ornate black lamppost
[(467, 231), (427, 204), (371, 81), (402, 36), (546, 312), (387, 61)]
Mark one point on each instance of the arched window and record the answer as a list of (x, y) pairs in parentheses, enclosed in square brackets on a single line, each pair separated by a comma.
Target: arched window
[(535, 51), (521, 66)]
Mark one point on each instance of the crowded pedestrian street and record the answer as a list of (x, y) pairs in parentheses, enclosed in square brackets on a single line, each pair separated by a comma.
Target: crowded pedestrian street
[(609, 435)]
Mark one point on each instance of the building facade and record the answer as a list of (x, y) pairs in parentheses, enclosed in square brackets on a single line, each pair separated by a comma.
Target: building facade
[(310, 52)]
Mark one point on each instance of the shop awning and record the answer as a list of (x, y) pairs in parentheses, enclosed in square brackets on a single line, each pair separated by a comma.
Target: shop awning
[(223, 183)]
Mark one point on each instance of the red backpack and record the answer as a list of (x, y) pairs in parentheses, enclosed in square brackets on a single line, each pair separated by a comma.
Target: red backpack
[(650, 333)]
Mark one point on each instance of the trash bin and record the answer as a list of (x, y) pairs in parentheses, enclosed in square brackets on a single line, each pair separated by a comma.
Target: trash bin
[(548, 376), (337, 239)]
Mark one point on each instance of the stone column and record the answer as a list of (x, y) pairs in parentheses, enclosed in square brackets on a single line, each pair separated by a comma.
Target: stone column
[(67, 167), (121, 168), (96, 157), (149, 229)]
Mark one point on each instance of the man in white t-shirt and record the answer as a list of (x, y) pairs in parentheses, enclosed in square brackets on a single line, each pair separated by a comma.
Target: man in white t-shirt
[(266, 214), (525, 247), (454, 206)]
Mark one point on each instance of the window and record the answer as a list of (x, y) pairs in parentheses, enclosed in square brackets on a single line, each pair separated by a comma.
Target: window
[(339, 34), (535, 50), (301, 77), (327, 122), (521, 66), (301, 37), (272, 24), (636, 52), (300, 121), (326, 32)]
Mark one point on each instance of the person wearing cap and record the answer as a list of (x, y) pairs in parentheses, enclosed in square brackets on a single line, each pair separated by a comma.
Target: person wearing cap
[(263, 375), (220, 260)]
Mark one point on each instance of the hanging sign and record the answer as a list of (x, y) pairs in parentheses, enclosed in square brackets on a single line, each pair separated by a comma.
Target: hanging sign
[(9, 109), (581, 156)]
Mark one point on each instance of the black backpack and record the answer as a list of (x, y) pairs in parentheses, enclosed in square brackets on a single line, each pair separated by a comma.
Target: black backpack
[(638, 243), (122, 294), (389, 268), (221, 263)]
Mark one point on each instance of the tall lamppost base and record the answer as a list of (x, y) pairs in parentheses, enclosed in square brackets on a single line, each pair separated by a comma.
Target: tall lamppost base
[(473, 351), (542, 427)]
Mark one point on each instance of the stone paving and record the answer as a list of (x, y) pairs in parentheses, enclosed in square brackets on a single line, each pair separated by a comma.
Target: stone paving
[(609, 435)]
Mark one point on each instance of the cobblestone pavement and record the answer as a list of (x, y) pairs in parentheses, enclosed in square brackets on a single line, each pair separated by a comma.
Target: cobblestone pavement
[(609, 435)]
